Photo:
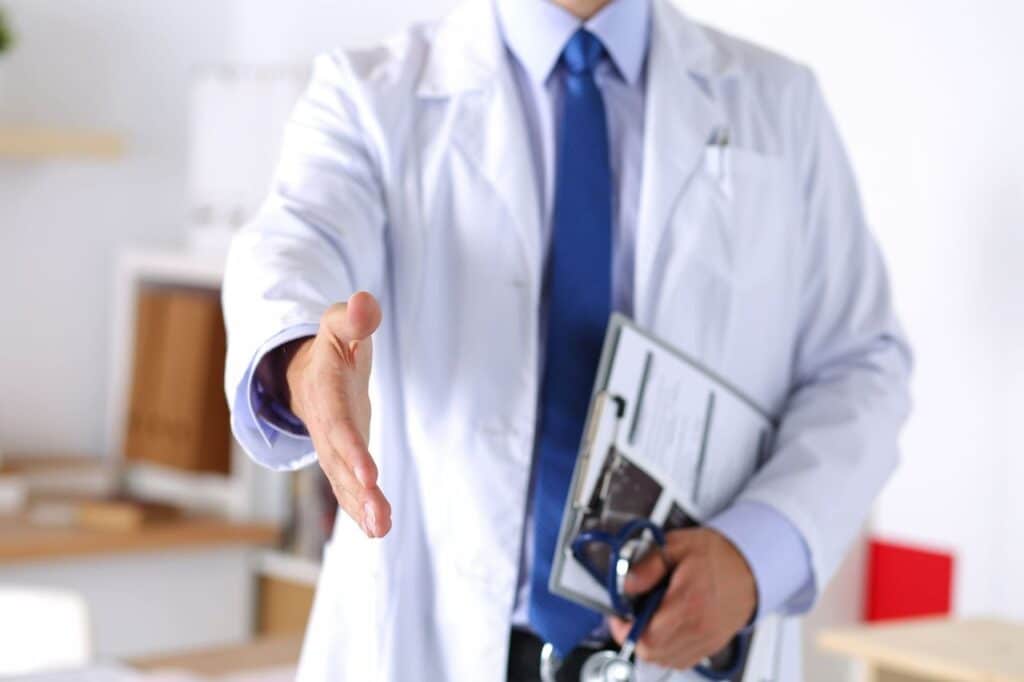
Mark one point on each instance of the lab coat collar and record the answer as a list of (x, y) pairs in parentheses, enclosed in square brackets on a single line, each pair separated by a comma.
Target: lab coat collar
[(466, 52), (468, 61)]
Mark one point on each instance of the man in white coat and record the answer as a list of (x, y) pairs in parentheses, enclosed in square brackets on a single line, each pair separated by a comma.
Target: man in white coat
[(478, 194)]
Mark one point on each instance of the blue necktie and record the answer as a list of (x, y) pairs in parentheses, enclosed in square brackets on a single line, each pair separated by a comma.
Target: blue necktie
[(579, 303)]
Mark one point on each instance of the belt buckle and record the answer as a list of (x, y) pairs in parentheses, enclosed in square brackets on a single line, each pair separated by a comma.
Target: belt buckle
[(550, 663)]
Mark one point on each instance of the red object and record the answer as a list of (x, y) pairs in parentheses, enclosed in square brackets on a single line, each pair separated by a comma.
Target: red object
[(907, 582)]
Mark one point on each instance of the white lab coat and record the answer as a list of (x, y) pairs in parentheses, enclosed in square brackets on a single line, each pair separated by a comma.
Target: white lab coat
[(406, 172)]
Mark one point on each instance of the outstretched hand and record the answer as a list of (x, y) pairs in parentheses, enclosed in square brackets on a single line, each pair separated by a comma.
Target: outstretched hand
[(328, 378)]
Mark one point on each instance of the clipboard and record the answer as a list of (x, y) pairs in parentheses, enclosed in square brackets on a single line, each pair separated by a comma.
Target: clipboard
[(665, 439)]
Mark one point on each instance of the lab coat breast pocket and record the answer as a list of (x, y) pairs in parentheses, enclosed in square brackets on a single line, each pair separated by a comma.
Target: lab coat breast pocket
[(740, 210), (731, 268)]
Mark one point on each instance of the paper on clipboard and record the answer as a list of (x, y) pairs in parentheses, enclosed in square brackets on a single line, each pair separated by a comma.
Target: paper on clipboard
[(665, 439)]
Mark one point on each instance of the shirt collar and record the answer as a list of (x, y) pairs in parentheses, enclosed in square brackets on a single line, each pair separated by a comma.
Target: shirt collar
[(536, 31)]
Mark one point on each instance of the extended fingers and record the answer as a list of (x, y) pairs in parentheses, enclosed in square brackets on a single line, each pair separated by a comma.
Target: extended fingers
[(367, 506), (346, 440), (337, 420), (352, 474)]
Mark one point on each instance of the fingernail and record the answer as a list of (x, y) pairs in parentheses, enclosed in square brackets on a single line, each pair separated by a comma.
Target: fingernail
[(363, 476), (369, 520)]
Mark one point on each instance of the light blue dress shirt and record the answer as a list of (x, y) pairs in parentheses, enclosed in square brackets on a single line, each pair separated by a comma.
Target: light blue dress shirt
[(535, 31)]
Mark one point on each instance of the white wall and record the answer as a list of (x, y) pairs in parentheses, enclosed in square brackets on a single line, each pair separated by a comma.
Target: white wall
[(108, 64), (270, 30)]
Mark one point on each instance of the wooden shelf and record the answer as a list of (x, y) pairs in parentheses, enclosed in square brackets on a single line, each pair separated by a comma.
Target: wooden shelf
[(49, 143), (23, 541), (46, 463)]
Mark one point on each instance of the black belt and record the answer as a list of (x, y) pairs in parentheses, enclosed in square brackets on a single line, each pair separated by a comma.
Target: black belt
[(524, 658)]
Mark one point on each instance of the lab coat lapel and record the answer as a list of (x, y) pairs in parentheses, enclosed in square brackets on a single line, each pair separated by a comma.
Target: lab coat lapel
[(493, 133), (469, 64), (681, 116)]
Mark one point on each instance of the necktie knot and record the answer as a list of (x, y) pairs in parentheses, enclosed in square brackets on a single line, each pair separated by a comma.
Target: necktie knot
[(583, 52)]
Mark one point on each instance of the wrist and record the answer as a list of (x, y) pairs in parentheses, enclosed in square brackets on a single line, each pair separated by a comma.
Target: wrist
[(292, 360), (743, 582), (774, 551)]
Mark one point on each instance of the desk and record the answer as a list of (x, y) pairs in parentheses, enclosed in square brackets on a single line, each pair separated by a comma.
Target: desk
[(260, 654), (934, 650), (172, 586)]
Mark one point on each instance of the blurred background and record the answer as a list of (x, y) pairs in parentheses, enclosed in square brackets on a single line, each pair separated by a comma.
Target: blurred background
[(134, 137)]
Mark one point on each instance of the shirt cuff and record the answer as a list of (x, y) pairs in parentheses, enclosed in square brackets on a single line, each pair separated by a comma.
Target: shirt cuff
[(272, 418), (776, 553)]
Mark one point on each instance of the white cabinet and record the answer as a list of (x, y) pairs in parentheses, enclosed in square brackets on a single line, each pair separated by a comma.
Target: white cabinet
[(150, 602)]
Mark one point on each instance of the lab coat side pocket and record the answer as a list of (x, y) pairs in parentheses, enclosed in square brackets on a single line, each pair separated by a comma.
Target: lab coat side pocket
[(486, 483), (342, 635)]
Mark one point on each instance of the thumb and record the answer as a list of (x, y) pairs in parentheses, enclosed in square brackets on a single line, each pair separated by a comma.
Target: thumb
[(355, 320)]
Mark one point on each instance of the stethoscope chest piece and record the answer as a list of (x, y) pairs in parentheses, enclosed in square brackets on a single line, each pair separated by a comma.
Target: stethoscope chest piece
[(607, 666)]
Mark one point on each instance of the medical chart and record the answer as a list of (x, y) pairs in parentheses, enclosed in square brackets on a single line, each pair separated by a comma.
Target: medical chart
[(665, 440)]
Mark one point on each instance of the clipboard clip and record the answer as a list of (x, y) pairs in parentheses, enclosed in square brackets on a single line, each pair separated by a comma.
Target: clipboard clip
[(607, 407)]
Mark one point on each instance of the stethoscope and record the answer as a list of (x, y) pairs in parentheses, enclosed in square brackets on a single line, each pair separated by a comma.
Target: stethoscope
[(623, 548)]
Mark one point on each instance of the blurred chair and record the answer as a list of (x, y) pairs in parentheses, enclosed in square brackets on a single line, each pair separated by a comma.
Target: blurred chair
[(42, 629)]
